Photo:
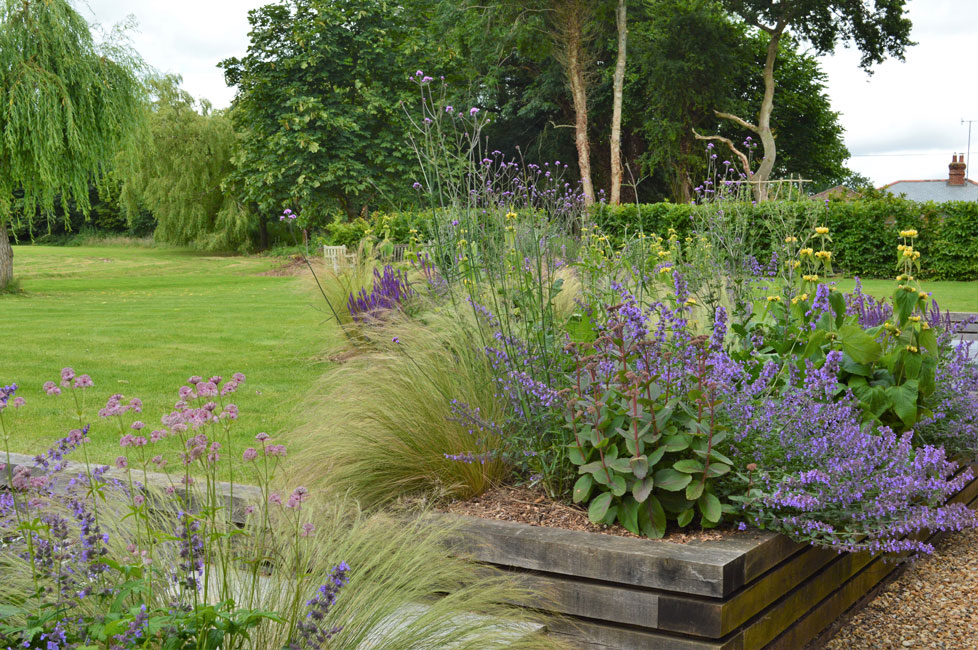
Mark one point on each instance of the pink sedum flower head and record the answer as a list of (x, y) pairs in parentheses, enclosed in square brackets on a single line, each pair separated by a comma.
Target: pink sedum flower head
[(250, 454), (275, 498), (262, 437), (196, 379), (84, 381), (51, 388), (238, 377), (137, 425), (67, 374), (18, 402), (122, 462)]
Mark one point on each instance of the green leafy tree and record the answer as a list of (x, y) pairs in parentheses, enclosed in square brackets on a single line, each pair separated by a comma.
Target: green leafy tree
[(67, 105), (179, 169), (879, 28), (319, 104)]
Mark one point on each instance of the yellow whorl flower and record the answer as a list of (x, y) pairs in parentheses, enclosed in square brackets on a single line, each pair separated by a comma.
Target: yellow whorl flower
[(821, 230), (912, 233)]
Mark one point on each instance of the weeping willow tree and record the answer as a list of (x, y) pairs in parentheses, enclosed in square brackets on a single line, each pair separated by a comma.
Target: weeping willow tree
[(68, 104), (178, 171)]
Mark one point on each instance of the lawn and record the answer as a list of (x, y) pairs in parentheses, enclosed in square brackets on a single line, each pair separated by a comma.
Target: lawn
[(953, 296), (141, 321)]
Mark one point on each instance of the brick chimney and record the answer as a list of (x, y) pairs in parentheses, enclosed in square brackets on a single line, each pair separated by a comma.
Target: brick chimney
[(955, 174)]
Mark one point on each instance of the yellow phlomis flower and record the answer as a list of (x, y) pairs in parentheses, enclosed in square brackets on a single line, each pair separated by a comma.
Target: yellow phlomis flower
[(665, 269), (806, 251), (912, 233), (791, 240), (663, 253), (821, 230), (510, 215), (914, 319), (908, 251), (912, 348), (901, 247), (810, 278), (824, 255), (774, 298), (691, 301)]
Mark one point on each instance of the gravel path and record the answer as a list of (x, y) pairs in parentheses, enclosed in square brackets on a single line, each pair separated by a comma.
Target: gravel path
[(932, 604)]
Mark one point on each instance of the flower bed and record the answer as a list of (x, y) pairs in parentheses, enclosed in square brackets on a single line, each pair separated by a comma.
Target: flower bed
[(754, 590)]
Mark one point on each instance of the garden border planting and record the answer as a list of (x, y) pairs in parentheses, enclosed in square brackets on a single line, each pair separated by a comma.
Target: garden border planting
[(748, 591)]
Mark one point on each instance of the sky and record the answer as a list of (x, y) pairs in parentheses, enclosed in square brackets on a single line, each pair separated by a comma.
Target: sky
[(903, 122)]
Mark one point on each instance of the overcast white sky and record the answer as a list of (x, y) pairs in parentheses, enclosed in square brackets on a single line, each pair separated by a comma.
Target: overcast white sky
[(903, 122)]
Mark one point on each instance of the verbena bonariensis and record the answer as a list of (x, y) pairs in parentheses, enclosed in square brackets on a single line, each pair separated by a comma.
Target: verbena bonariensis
[(88, 562), (390, 290)]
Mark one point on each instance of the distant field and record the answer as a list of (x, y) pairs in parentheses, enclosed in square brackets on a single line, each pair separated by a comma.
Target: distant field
[(141, 321), (952, 296)]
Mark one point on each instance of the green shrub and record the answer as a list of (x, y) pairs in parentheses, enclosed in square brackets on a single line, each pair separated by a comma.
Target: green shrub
[(864, 231)]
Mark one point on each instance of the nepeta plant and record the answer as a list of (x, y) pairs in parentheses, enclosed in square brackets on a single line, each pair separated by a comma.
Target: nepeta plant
[(814, 471)]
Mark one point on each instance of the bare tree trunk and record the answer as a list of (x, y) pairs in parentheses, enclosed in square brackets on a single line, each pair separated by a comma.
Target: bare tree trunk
[(570, 38), (763, 173), (6, 257), (619, 84)]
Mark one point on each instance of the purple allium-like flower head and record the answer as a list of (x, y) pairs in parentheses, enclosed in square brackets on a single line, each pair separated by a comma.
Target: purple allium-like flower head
[(250, 454), (262, 437), (51, 388), (122, 462), (307, 529)]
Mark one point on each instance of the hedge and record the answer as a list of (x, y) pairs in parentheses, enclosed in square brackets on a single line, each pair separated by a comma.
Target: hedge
[(865, 232)]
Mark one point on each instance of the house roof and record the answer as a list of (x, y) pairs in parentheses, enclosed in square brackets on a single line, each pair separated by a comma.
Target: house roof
[(938, 191)]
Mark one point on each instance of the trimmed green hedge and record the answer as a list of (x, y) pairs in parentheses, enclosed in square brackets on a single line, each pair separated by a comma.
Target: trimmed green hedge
[(865, 232)]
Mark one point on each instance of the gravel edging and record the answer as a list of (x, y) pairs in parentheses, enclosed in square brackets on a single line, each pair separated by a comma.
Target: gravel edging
[(932, 603)]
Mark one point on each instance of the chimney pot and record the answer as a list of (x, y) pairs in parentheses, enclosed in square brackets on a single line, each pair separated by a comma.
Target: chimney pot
[(955, 174)]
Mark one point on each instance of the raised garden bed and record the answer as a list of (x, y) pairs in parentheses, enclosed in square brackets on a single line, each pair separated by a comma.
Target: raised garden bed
[(743, 592)]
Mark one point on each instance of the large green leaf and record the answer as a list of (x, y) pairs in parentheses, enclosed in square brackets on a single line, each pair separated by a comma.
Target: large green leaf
[(904, 398), (652, 518), (582, 488), (709, 507), (859, 345), (670, 480), (599, 507)]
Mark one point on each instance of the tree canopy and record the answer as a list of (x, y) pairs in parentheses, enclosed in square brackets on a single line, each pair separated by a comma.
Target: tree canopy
[(179, 171), (68, 107), (319, 103)]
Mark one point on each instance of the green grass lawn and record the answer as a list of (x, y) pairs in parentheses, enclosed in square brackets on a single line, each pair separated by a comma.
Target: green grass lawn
[(141, 321), (953, 296)]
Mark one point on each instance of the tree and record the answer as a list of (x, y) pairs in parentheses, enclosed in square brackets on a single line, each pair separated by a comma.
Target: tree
[(320, 104), (68, 106), (179, 170), (621, 21), (878, 28)]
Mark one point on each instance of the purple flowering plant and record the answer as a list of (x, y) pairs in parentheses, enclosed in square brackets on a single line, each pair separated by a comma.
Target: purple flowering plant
[(150, 554), (646, 416)]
